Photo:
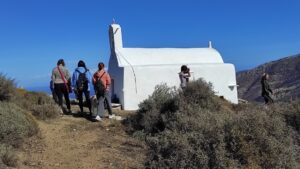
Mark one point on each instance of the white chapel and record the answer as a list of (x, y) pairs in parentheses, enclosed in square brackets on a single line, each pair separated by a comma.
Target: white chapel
[(136, 71)]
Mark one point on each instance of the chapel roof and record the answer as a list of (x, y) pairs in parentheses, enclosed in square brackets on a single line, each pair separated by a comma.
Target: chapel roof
[(166, 56)]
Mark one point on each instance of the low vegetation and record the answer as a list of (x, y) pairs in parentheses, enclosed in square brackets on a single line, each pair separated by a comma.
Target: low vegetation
[(7, 88), (40, 104), (194, 128), (15, 126), (18, 110)]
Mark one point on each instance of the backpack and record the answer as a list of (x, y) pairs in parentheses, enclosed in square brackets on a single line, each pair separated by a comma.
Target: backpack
[(82, 81), (99, 87)]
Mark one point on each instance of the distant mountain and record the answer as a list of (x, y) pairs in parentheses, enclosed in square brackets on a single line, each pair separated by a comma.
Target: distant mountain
[(284, 80)]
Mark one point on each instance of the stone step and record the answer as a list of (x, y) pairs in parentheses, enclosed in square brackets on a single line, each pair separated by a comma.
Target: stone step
[(116, 106)]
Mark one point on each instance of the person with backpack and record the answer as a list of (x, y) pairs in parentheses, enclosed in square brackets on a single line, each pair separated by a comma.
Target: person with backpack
[(266, 90), (62, 84), (81, 81), (102, 81)]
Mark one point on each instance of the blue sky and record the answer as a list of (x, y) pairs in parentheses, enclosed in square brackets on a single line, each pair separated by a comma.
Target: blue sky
[(34, 34)]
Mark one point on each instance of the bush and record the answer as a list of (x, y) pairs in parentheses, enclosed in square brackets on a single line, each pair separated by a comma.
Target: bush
[(16, 121), (8, 157), (291, 113), (262, 137), (162, 100), (7, 88), (46, 111), (195, 129), (200, 94), (40, 104), (15, 126)]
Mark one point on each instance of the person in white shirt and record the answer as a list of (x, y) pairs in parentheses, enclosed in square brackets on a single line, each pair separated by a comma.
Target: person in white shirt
[(184, 75)]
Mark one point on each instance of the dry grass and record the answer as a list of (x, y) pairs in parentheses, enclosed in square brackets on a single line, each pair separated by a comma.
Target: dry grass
[(40, 104), (17, 107), (15, 126)]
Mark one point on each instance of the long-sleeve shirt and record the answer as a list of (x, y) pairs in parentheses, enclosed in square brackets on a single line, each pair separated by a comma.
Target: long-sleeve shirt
[(76, 75), (56, 77), (265, 87)]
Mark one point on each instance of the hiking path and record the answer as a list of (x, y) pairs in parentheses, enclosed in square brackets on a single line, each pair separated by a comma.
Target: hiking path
[(71, 142)]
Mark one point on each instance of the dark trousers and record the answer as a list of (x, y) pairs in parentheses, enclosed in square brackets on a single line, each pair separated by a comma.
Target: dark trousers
[(87, 98), (54, 96), (61, 90), (267, 98)]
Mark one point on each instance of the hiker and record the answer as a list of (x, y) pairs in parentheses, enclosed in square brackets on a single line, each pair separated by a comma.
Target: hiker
[(102, 81), (184, 75), (81, 81), (266, 90), (62, 83), (54, 96)]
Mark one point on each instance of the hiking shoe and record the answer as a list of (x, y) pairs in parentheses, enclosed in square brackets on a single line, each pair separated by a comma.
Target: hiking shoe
[(98, 118), (112, 116)]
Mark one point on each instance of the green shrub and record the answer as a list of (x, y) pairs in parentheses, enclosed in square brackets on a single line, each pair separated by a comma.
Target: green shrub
[(40, 104), (162, 100), (8, 157), (200, 94), (16, 121), (291, 113), (261, 136), (15, 126), (193, 128), (7, 88), (46, 111)]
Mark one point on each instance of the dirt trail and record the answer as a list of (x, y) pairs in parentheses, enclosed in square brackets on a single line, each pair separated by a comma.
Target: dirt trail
[(77, 143)]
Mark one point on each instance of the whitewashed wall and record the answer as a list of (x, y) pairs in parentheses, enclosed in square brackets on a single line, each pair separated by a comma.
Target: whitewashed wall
[(117, 75), (147, 77), (136, 71)]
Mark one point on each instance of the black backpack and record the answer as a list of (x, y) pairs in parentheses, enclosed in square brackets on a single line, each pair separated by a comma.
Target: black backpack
[(99, 87), (82, 81)]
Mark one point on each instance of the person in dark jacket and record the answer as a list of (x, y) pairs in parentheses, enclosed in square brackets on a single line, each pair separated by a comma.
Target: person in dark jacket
[(83, 88), (266, 90)]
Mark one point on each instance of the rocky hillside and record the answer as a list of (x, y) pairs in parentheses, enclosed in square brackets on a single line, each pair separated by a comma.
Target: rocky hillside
[(284, 79)]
